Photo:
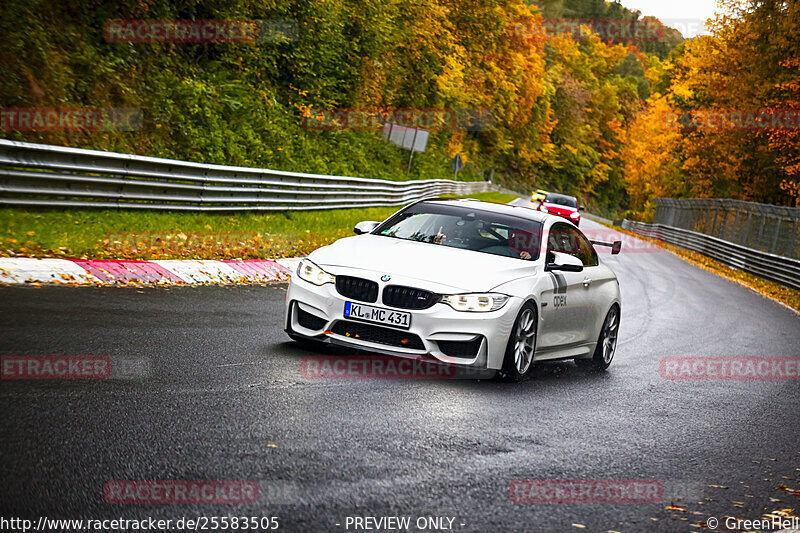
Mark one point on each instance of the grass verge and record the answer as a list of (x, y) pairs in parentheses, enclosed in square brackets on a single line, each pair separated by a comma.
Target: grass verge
[(134, 234), (768, 289), (497, 197)]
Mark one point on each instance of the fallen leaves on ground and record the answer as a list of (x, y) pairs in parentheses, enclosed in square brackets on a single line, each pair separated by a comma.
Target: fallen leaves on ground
[(188, 245)]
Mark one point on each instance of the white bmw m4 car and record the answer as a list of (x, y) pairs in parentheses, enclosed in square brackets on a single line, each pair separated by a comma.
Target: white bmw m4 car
[(462, 282)]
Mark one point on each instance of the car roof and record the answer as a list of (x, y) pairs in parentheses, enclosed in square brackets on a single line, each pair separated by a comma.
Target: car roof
[(557, 195), (492, 207)]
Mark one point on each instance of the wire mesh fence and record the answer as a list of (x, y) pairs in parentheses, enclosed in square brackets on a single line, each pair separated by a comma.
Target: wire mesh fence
[(768, 228)]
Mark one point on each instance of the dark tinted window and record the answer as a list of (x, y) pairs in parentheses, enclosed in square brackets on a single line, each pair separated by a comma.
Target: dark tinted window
[(569, 240), (463, 226), (560, 199)]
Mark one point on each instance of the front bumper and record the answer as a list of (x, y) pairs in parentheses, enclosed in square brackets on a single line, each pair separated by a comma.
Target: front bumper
[(440, 333)]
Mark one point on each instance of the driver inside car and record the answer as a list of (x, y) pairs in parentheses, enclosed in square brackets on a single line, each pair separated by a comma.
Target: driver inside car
[(440, 238)]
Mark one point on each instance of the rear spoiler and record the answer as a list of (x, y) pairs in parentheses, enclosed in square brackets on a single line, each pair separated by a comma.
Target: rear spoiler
[(615, 246)]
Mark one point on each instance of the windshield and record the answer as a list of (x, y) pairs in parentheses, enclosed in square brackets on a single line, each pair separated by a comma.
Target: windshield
[(560, 199), (467, 228)]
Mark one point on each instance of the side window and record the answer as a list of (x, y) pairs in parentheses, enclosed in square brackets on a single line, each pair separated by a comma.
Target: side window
[(559, 239), (568, 240), (585, 251)]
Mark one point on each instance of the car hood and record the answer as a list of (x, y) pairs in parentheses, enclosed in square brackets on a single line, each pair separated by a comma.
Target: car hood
[(560, 209), (443, 266)]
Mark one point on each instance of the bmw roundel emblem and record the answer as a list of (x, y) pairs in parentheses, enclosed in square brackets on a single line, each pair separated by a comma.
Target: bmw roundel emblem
[(386, 277)]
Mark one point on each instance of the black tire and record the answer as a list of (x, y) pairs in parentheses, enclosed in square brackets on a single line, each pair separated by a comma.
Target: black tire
[(521, 346), (606, 343)]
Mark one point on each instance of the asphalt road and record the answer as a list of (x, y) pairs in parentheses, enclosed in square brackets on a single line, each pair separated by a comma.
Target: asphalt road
[(207, 387)]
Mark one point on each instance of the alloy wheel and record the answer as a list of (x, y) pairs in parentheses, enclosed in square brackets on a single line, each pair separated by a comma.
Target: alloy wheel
[(524, 341), (609, 335)]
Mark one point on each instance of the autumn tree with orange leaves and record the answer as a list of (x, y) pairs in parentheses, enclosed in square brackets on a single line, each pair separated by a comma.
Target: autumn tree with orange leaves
[(581, 113), (749, 66)]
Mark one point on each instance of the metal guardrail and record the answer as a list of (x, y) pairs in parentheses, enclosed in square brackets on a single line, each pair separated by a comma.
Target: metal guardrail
[(44, 175), (769, 228), (596, 218), (783, 270)]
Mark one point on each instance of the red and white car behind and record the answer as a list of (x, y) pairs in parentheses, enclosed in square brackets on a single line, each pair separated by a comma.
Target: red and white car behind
[(563, 206)]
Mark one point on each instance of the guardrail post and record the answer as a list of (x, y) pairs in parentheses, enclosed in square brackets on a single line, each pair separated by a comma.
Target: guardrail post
[(723, 223), (705, 219), (714, 223), (775, 237), (747, 228), (761, 230)]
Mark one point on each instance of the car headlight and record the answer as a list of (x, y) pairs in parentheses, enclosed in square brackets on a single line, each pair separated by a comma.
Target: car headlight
[(475, 303), (574, 215), (311, 273)]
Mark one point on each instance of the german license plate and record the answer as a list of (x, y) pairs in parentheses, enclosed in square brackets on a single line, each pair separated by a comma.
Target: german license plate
[(376, 315)]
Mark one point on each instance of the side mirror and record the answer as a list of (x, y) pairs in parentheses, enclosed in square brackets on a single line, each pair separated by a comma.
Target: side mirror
[(564, 263), (582, 208), (365, 227), (616, 246)]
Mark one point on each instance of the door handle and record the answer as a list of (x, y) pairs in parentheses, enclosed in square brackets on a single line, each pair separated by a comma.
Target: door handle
[(587, 282)]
